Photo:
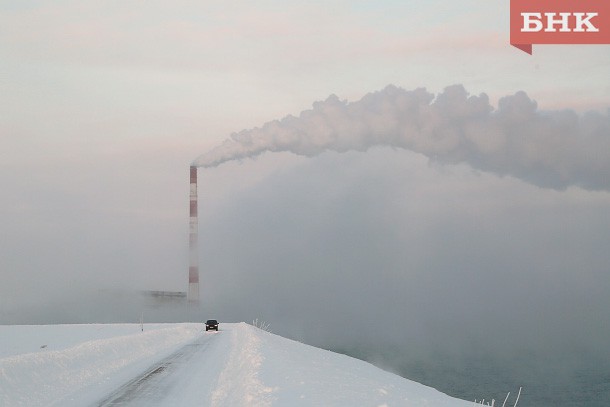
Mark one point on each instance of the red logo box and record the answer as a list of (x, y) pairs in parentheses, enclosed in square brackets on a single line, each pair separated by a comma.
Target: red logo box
[(559, 22)]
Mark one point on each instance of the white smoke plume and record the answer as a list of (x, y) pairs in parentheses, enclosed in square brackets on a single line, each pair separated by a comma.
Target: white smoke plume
[(552, 149)]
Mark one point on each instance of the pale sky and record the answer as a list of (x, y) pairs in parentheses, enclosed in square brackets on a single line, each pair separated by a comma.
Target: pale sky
[(236, 64), (104, 105)]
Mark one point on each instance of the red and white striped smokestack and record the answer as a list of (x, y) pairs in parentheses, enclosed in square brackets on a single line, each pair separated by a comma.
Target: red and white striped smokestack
[(193, 292)]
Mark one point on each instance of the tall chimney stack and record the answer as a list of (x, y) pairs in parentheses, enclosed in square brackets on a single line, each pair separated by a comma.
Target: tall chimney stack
[(193, 292)]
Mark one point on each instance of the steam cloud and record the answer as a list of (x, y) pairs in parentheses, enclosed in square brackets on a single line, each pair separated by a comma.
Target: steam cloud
[(551, 149)]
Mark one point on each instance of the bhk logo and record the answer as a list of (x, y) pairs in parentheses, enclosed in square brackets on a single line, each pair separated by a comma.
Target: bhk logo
[(559, 22)]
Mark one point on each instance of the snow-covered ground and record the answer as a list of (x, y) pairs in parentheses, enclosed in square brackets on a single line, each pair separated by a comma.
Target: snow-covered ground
[(182, 365)]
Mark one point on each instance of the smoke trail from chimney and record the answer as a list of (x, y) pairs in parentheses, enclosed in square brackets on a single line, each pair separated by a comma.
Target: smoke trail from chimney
[(193, 289), (551, 149)]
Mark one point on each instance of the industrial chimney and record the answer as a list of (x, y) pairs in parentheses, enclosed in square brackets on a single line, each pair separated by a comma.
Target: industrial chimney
[(193, 292)]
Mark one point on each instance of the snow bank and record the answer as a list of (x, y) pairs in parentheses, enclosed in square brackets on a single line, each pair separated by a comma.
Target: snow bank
[(264, 370), (45, 377), (302, 375), (239, 383)]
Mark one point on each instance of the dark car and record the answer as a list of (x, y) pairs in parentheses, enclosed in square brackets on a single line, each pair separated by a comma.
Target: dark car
[(211, 324)]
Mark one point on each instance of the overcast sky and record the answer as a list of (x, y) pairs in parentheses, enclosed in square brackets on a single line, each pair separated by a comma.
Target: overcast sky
[(104, 105)]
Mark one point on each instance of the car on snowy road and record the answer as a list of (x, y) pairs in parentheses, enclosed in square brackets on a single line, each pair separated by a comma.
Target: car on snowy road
[(211, 324)]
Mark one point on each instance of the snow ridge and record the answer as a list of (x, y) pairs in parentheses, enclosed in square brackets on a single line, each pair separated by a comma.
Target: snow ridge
[(239, 383)]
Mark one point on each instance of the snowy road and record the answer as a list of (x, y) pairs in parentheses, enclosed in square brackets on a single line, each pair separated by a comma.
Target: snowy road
[(214, 369), (155, 384), (182, 365)]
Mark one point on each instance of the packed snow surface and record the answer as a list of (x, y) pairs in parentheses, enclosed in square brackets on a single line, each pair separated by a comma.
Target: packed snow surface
[(182, 365)]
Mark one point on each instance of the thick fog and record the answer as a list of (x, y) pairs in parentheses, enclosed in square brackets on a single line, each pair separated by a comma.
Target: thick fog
[(454, 254), (439, 232), (425, 231), (426, 270)]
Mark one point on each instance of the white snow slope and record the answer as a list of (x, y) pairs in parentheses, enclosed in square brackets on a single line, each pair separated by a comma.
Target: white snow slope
[(182, 365)]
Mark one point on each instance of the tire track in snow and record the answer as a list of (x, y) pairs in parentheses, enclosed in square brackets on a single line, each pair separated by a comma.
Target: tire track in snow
[(155, 383)]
